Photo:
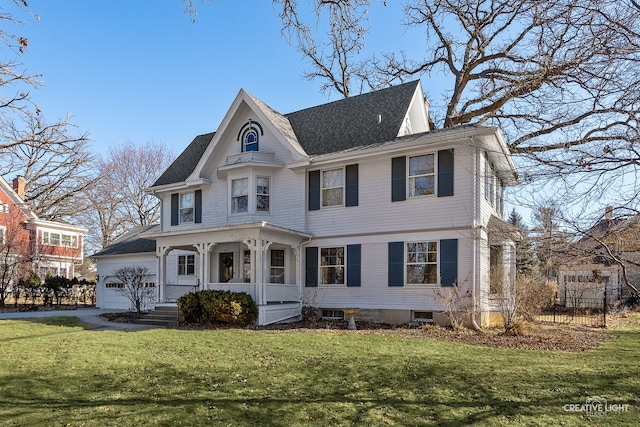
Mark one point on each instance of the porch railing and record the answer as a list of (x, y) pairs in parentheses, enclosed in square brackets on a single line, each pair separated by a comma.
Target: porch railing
[(279, 293), (173, 292), (262, 293)]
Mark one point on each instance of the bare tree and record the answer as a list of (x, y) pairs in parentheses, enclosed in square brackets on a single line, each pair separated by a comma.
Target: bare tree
[(332, 53), (51, 158), (57, 168), (560, 78), (458, 304), (611, 240), (118, 200), (134, 287), (15, 253)]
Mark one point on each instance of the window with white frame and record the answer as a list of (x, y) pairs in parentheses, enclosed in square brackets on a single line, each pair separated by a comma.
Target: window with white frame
[(246, 200), (54, 239), (496, 269), (276, 274), (187, 207), (493, 187), (59, 239), (186, 265), (332, 266), (240, 195), (333, 187), (4, 208), (422, 176), (2, 235), (262, 194), (422, 263)]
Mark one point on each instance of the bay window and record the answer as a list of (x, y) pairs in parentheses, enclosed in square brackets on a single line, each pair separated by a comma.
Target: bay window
[(240, 195)]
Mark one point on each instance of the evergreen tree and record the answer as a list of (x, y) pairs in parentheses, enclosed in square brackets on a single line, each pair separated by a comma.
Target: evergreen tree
[(526, 259)]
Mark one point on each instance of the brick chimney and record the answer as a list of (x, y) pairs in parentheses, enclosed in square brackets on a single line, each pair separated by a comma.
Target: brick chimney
[(18, 186)]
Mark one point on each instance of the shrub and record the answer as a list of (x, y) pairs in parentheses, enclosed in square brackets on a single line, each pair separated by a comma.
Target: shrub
[(235, 308)]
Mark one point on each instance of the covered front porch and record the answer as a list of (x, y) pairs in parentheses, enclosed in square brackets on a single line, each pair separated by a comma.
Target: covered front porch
[(260, 259)]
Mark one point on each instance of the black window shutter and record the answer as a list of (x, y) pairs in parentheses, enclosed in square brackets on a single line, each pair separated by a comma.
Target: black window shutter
[(445, 173), (311, 267), (314, 190), (396, 263), (351, 198), (198, 207), (354, 258), (398, 179), (174, 209), (448, 262)]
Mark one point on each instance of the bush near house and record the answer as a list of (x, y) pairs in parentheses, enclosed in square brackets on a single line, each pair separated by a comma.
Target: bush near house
[(235, 308)]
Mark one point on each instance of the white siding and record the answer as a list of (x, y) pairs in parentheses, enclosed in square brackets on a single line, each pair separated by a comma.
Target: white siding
[(108, 298), (376, 213), (374, 292)]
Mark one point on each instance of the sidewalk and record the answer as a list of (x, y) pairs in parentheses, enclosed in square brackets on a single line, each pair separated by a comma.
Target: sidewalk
[(87, 315)]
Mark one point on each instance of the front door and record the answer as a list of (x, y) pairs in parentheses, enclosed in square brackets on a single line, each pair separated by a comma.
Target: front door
[(226, 267)]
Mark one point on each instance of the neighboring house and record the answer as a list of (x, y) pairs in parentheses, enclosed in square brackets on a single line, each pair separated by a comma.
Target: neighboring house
[(32, 244), (352, 204), (589, 268)]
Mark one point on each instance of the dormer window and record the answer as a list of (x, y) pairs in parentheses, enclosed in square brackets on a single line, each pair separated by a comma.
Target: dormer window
[(249, 135), (250, 142)]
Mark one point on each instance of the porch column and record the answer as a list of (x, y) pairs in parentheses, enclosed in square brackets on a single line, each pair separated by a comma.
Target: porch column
[(262, 268), (297, 252), (204, 269), (251, 245), (161, 270)]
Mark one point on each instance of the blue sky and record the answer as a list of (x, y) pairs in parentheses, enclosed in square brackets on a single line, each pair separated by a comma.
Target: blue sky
[(138, 71)]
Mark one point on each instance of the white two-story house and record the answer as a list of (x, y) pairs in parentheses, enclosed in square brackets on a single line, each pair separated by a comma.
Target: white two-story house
[(356, 203)]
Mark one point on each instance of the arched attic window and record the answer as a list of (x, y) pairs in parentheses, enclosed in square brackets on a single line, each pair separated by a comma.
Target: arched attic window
[(249, 135)]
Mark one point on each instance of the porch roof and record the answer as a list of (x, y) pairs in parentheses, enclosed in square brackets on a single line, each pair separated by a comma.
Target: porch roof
[(244, 230)]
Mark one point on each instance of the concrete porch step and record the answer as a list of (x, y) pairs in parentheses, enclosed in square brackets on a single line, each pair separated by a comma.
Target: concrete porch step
[(167, 315)]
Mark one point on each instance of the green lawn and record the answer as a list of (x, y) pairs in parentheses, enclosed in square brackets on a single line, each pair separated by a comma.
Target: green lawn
[(59, 374)]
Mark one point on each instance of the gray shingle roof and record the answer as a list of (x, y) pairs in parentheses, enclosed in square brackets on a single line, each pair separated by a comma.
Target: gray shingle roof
[(352, 122), (131, 243), (328, 128), (186, 162)]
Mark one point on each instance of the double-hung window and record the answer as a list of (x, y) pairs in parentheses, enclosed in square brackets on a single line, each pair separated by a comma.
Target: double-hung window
[(250, 194), (422, 176), (277, 266), (422, 263), (332, 266), (187, 205), (262, 194), (333, 187), (186, 265), (54, 239), (240, 195)]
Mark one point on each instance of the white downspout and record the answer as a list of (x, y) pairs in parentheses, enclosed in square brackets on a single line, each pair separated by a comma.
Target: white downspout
[(476, 185)]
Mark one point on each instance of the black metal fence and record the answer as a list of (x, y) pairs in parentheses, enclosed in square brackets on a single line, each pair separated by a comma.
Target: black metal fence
[(584, 311)]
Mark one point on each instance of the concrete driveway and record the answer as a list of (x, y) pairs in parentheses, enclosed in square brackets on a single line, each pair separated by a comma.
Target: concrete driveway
[(87, 315)]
